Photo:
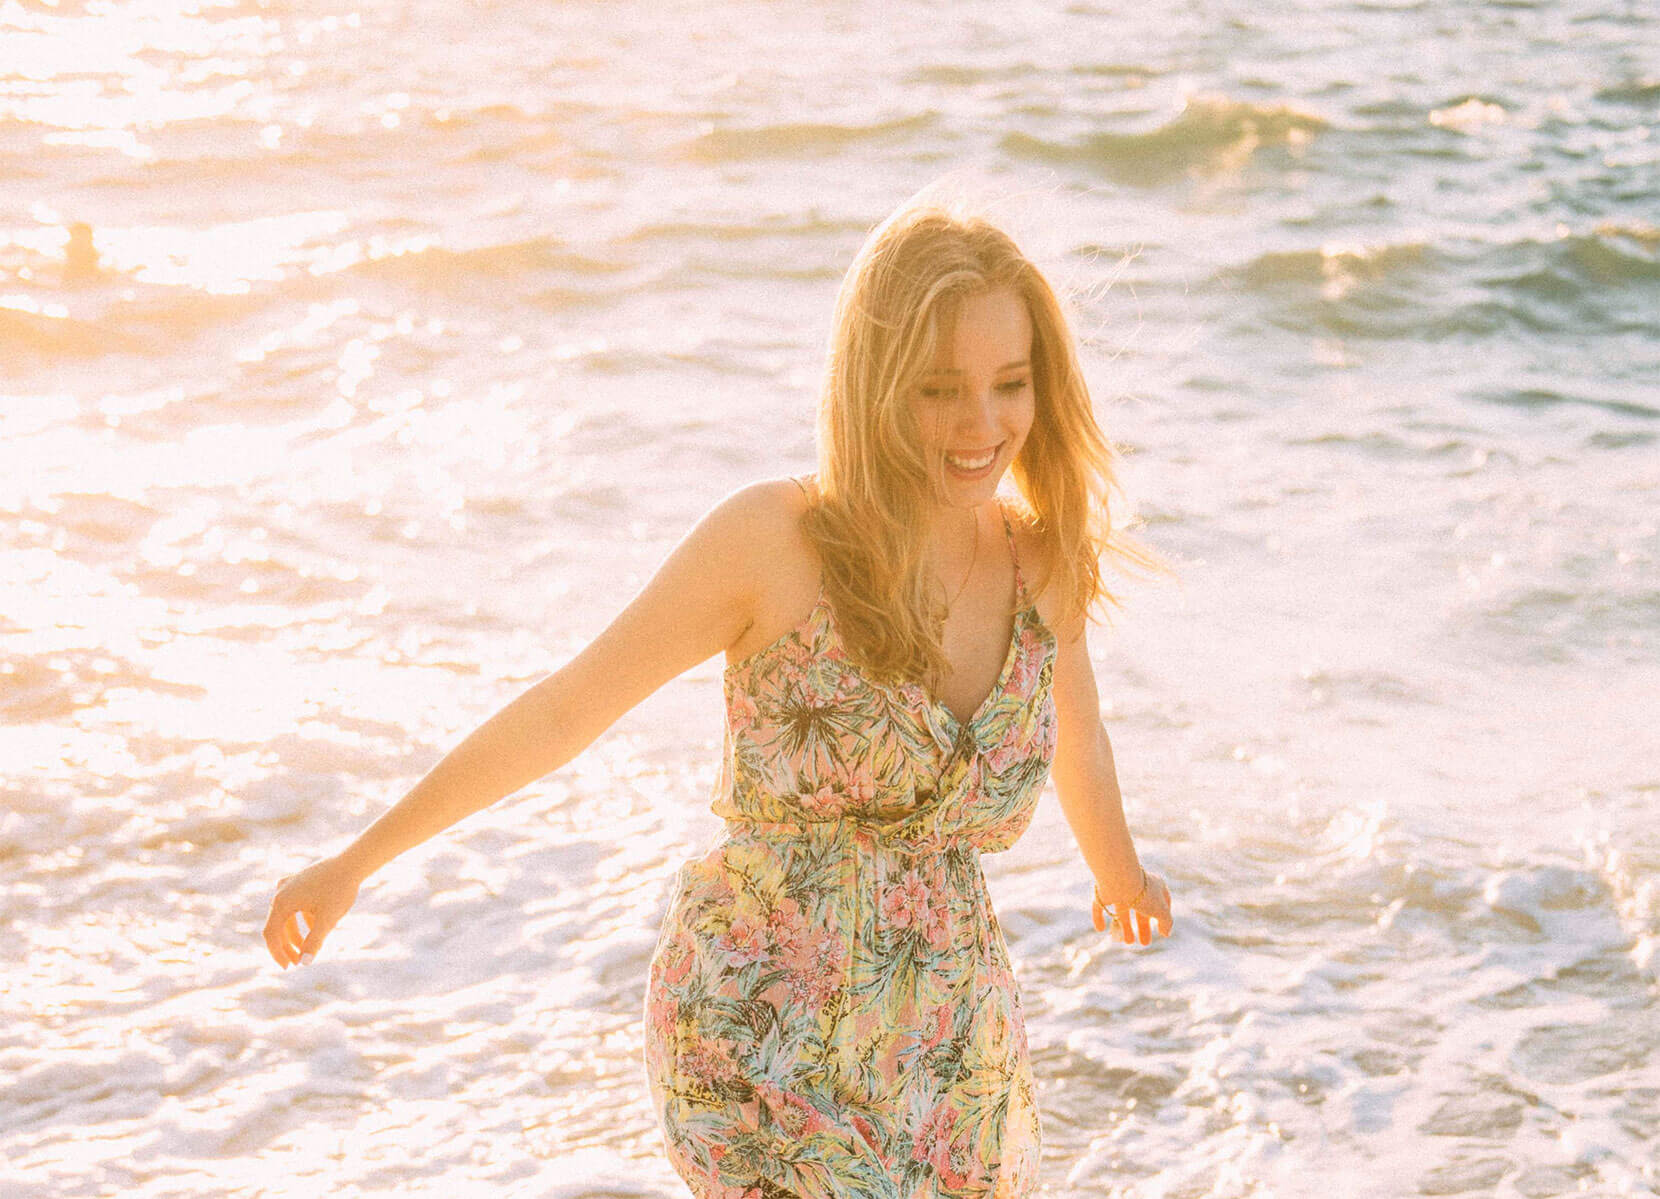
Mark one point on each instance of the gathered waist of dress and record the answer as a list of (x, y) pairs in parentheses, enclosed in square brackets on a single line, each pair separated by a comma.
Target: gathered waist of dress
[(901, 836)]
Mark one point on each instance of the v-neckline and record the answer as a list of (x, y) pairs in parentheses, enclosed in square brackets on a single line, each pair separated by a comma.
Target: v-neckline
[(959, 723)]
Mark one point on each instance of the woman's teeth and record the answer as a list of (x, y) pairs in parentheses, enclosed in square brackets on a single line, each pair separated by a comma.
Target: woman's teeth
[(976, 463)]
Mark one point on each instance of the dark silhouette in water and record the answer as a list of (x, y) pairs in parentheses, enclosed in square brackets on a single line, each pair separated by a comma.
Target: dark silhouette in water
[(80, 256)]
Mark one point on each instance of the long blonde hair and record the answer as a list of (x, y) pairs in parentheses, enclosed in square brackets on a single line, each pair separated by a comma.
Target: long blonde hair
[(875, 483)]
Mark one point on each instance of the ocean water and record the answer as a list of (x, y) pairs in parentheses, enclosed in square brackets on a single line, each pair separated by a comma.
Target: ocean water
[(413, 336)]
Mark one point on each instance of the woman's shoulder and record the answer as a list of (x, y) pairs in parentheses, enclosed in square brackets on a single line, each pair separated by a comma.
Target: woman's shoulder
[(762, 522), (780, 566), (767, 509)]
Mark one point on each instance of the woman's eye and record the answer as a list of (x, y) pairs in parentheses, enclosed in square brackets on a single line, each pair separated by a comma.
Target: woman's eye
[(949, 393)]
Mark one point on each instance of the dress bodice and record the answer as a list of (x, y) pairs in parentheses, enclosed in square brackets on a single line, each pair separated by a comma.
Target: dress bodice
[(811, 740)]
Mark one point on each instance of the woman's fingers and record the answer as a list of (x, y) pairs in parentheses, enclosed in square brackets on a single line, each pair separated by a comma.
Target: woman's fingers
[(311, 939), (1134, 924), (275, 941), (290, 935), (288, 931), (272, 923), (306, 908)]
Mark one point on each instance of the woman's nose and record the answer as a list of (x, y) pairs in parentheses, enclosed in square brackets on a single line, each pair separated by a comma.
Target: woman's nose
[(976, 413)]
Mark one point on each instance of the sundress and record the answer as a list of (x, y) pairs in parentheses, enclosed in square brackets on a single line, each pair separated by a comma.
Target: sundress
[(830, 1010)]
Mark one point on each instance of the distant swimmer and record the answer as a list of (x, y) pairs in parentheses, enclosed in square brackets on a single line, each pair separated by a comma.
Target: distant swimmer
[(80, 257)]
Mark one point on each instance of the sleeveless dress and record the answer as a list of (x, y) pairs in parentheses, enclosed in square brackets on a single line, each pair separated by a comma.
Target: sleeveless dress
[(830, 1009)]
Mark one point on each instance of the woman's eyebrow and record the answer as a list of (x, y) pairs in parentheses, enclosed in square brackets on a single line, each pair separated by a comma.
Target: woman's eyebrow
[(1007, 366)]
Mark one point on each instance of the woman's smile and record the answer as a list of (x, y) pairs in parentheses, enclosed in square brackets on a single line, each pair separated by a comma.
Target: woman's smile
[(972, 464)]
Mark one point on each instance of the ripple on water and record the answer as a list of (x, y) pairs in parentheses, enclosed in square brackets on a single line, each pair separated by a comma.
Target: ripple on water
[(1603, 278), (1478, 1175), (1492, 1108), (1559, 624), (1212, 132), (802, 139), (1537, 398), (1574, 1053)]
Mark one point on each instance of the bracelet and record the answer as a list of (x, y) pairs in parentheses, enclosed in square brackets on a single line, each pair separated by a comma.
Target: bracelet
[(1139, 895)]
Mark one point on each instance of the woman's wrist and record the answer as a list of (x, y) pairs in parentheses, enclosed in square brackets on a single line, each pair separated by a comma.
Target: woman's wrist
[(356, 861), (1133, 900)]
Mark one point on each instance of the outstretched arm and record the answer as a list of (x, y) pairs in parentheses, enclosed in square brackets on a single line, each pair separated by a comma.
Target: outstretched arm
[(1086, 781), (699, 602)]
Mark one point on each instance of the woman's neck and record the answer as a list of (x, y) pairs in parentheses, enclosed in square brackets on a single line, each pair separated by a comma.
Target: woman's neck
[(953, 535)]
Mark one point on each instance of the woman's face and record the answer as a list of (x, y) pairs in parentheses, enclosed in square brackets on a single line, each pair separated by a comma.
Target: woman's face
[(975, 406)]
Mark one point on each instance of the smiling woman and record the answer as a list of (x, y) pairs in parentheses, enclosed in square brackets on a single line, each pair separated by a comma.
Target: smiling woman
[(830, 1009)]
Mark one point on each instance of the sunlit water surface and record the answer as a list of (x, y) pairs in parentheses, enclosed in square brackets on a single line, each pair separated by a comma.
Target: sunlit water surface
[(416, 334)]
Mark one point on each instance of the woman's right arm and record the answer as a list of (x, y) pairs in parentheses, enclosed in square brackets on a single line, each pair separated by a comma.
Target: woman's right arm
[(700, 601)]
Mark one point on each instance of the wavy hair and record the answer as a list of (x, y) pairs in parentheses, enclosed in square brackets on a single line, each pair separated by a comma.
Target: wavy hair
[(876, 486)]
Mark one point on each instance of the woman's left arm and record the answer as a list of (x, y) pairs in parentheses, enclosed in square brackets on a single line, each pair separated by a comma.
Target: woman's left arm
[(1086, 780)]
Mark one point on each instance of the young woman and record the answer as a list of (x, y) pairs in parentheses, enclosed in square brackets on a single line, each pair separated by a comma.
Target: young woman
[(830, 1010)]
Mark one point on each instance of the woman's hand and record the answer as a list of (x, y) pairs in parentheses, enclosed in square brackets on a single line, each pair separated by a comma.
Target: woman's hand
[(1133, 919), (323, 892)]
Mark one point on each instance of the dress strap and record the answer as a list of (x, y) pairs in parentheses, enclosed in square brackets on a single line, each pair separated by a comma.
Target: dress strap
[(808, 495), (1014, 556)]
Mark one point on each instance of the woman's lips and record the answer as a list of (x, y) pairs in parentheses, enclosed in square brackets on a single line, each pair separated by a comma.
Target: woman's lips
[(972, 466)]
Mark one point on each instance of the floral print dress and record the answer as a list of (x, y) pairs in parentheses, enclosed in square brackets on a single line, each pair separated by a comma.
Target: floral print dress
[(830, 1009)]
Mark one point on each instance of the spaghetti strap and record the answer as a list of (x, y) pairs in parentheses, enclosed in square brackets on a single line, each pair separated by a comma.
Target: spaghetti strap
[(1014, 556), (808, 496)]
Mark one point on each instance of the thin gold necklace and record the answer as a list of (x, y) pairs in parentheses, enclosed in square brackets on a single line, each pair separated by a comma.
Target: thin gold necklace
[(973, 556)]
